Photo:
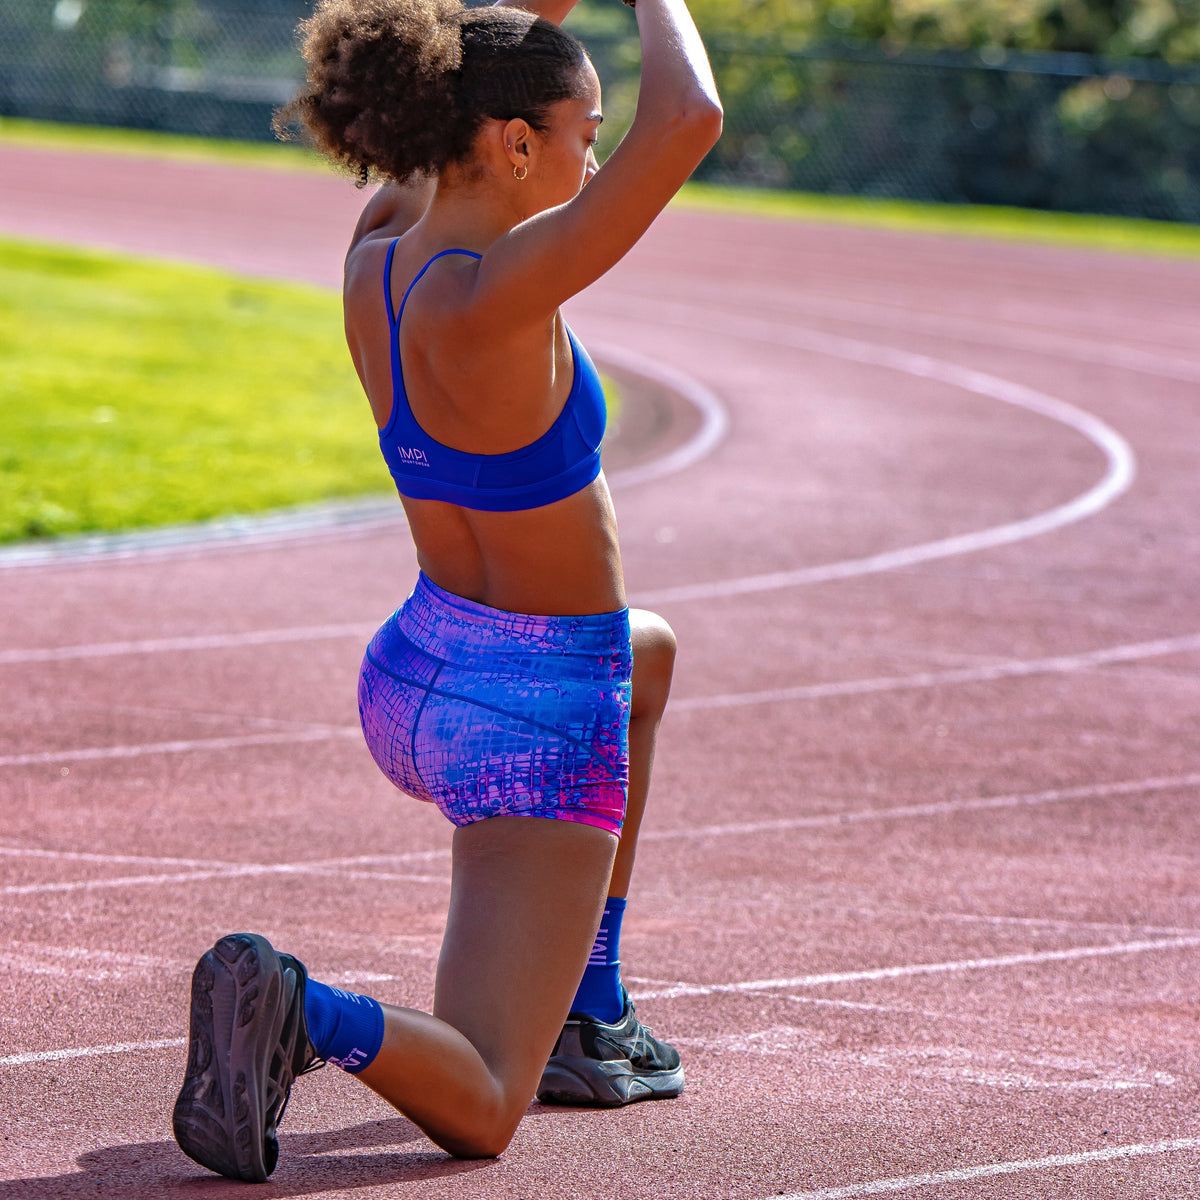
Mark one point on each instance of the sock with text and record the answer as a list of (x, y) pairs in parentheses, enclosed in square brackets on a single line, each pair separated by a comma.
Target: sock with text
[(601, 993)]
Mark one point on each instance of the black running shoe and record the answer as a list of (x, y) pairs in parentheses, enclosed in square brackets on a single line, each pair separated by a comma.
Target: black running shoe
[(605, 1066), (247, 1042)]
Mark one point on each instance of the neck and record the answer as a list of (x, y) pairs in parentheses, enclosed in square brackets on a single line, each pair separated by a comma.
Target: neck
[(470, 214)]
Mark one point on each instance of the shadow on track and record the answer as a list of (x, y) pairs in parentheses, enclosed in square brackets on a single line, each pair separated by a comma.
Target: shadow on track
[(309, 1164)]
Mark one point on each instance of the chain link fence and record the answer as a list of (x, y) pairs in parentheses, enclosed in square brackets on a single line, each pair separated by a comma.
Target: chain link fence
[(213, 67), (1052, 131)]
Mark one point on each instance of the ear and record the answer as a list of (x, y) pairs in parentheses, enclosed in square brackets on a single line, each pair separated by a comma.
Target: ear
[(518, 138)]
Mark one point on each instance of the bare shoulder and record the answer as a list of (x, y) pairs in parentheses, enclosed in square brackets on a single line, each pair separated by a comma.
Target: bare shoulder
[(390, 213)]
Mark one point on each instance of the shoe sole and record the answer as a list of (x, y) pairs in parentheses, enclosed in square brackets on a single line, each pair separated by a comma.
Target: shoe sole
[(237, 1015), (599, 1084)]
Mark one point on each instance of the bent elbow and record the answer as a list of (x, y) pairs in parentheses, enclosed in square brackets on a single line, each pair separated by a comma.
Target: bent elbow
[(688, 128), (712, 121), (700, 119)]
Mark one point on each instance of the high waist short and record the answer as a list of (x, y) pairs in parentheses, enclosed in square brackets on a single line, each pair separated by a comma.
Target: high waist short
[(488, 713)]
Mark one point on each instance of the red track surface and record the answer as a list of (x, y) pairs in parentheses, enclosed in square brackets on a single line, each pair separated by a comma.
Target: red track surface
[(918, 897)]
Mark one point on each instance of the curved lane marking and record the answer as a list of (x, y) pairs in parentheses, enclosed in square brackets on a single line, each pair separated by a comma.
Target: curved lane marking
[(714, 419), (285, 737), (1054, 343), (1118, 476), (936, 808), (872, 974), (359, 517), (352, 868), (172, 645), (880, 1187), (1058, 664), (1061, 664), (40, 1056)]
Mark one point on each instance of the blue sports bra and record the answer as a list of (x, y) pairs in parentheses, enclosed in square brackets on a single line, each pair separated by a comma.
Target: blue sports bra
[(563, 460)]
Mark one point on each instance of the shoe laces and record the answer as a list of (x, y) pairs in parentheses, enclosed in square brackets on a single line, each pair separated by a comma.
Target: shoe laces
[(313, 1064)]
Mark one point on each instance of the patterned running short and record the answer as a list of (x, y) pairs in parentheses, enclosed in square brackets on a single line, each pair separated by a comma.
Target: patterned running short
[(488, 713)]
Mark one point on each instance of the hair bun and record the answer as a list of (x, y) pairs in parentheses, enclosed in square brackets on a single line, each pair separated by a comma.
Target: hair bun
[(390, 88)]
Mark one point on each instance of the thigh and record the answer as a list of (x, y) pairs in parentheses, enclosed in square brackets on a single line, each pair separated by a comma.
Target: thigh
[(526, 900)]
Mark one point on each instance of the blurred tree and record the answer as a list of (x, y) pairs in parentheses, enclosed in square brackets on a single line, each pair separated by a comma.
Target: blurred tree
[(958, 100), (1160, 28)]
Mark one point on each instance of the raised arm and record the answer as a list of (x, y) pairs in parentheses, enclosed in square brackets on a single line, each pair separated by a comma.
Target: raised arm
[(544, 261), (411, 89)]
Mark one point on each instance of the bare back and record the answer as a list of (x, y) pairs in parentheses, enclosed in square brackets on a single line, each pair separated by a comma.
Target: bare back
[(561, 558), (486, 360)]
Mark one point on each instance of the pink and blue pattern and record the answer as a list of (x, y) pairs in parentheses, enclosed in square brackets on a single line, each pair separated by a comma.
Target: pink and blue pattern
[(488, 713)]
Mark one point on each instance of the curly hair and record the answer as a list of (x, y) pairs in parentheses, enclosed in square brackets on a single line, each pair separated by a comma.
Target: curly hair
[(401, 87)]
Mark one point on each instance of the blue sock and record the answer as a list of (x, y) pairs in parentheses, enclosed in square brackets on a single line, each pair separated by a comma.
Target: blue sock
[(601, 994), (345, 1029)]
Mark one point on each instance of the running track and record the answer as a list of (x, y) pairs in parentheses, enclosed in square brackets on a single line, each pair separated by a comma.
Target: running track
[(918, 896)]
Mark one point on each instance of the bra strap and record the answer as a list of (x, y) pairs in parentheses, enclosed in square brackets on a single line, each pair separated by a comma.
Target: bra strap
[(420, 276), (387, 284), (394, 320)]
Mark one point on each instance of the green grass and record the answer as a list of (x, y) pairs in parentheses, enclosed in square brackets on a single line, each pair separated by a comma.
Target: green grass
[(103, 139), (136, 393), (1121, 234)]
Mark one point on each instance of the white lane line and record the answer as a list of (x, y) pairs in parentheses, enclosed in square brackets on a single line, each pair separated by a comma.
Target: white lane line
[(356, 518), (76, 963), (1062, 664), (890, 319), (341, 868), (81, 856), (20, 1060), (385, 876), (1023, 338), (904, 1183), (354, 867), (95, 885), (348, 978), (984, 1066), (102, 753), (714, 420), (1057, 664), (906, 970), (1093, 791), (120, 859), (1118, 476), (933, 916), (174, 645), (230, 872), (324, 864)]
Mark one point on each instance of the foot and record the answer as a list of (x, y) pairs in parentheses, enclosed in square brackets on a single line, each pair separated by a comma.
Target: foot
[(247, 1043), (605, 1066)]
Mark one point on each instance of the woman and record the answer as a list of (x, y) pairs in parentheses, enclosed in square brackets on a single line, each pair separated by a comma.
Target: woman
[(514, 683)]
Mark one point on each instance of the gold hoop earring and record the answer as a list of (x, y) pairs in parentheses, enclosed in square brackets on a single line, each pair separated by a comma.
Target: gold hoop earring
[(524, 171)]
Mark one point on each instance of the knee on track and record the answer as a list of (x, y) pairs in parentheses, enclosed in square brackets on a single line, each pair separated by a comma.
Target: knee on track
[(486, 1139)]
